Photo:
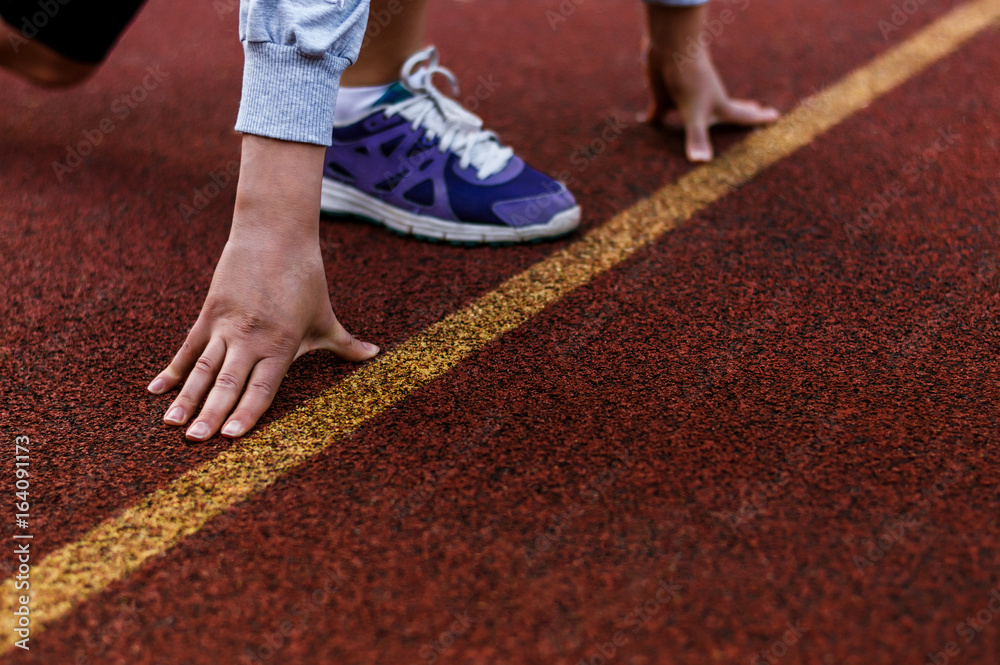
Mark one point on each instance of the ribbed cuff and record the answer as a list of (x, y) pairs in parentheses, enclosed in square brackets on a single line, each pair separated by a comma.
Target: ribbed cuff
[(676, 3), (287, 95)]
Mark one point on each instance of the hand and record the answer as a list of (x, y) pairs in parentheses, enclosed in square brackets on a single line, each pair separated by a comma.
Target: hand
[(689, 82), (268, 303)]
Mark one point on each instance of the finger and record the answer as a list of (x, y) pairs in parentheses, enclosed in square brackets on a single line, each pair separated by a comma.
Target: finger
[(343, 344), (268, 374), (261, 389), (661, 100), (199, 379), (749, 113), (698, 144), (183, 361), (225, 393)]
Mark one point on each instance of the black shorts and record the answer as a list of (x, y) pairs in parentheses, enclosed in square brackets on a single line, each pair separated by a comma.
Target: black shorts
[(80, 30)]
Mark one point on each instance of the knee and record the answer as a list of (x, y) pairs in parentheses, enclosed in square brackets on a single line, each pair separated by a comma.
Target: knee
[(54, 74), (38, 63)]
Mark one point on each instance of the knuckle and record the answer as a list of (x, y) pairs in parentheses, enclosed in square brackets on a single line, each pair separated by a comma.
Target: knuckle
[(205, 364), (283, 344), (344, 339), (227, 380), (209, 415), (249, 324), (272, 339), (264, 386), (184, 400)]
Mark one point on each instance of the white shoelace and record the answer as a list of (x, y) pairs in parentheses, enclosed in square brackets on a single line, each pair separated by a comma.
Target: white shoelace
[(440, 116)]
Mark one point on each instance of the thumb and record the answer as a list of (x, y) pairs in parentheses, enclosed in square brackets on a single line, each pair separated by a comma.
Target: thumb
[(747, 113), (342, 344)]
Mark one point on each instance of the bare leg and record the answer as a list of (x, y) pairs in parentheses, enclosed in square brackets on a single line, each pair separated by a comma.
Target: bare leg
[(38, 63), (390, 40)]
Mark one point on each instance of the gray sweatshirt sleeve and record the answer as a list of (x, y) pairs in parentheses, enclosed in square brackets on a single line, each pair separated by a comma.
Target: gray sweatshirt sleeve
[(294, 54)]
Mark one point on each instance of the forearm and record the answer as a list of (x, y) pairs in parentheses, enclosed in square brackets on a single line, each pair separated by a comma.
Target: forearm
[(670, 26), (277, 199)]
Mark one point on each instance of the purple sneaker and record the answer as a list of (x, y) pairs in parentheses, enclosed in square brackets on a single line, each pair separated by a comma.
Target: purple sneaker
[(422, 165)]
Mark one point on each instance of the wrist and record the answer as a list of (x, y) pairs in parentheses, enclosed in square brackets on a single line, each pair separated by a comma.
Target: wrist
[(670, 27), (277, 198)]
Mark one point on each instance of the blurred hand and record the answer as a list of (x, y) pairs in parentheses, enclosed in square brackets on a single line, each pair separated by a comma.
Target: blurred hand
[(689, 82)]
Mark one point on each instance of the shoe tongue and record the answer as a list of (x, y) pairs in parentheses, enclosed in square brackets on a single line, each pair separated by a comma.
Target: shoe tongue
[(395, 93)]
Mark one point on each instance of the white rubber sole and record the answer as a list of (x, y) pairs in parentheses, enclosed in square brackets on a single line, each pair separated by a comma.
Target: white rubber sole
[(339, 199)]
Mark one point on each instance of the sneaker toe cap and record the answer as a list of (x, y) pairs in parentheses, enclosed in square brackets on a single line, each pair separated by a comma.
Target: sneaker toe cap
[(535, 210)]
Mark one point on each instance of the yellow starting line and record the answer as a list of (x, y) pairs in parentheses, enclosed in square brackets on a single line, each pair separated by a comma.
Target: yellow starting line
[(111, 551)]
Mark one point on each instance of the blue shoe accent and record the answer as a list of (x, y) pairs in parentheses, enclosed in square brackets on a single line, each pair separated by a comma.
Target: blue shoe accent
[(421, 164)]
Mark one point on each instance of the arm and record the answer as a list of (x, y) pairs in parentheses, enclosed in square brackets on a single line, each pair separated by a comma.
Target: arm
[(681, 73), (269, 302)]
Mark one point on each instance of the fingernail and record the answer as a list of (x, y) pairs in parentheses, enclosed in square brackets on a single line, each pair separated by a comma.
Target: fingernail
[(371, 347), (198, 431), (156, 387), (701, 156), (175, 416), (232, 428)]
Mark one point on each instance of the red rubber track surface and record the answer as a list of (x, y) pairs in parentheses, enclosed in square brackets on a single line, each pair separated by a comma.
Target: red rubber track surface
[(776, 358)]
